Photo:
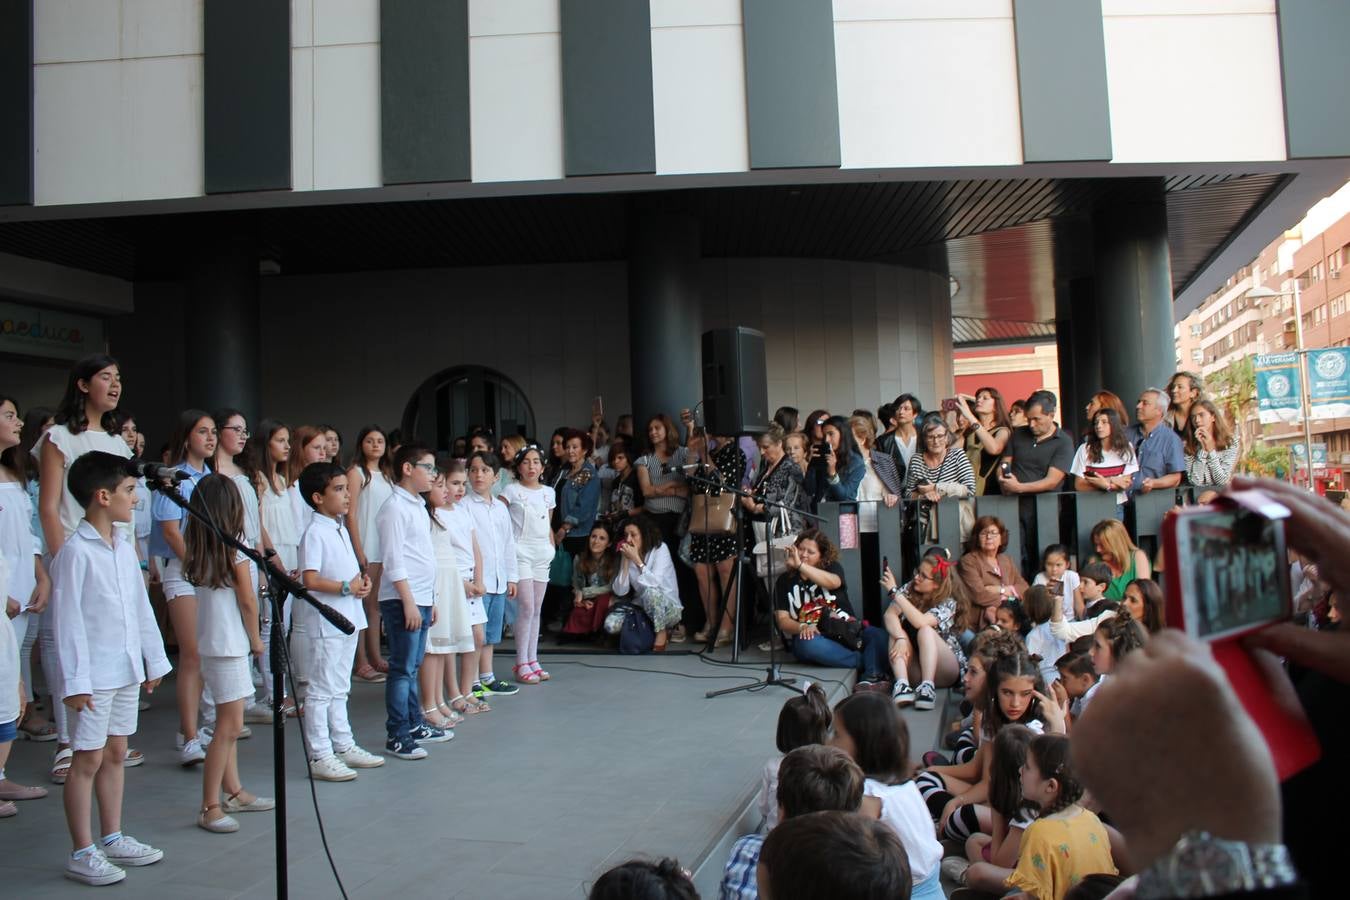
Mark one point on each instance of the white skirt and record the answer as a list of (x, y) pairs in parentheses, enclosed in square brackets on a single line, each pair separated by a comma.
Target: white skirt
[(227, 678), (453, 631)]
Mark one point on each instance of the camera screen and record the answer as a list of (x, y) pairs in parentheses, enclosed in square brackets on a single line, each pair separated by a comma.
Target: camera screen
[(1232, 572)]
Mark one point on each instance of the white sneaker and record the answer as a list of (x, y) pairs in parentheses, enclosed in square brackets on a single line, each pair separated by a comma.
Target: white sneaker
[(258, 714), (330, 768), (191, 753), (356, 758), (93, 868), (127, 851), (245, 733)]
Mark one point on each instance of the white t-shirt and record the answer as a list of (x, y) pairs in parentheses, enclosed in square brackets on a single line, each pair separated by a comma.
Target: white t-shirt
[(326, 548), (1064, 590), (1111, 465), (220, 627), (904, 810), (71, 448), (524, 502), (9, 658)]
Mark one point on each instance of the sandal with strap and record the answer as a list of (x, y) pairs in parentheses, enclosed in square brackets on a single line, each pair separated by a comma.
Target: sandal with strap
[(450, 714), (539, 671), (525, 675), (61, 765), (42, 733), (469, 705), (370, 674), (441, 723)]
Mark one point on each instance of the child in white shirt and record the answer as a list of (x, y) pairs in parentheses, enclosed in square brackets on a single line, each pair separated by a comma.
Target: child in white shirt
[(110, 647), (500, 573), (1056, 575)]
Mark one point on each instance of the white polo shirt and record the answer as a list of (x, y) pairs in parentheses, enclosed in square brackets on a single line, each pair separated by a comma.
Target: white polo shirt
[(496, 541), (106, 634), (405, 538), (326, 548)]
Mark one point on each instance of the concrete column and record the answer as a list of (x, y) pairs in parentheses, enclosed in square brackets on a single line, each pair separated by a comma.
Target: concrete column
[(1080, 369), (223, 328), (1133, 288), (665, 318)]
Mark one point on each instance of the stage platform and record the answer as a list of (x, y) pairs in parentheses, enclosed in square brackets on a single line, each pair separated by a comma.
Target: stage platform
[(615, 757)]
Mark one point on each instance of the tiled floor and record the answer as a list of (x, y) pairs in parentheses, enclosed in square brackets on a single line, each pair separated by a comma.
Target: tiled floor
[(531, 800)]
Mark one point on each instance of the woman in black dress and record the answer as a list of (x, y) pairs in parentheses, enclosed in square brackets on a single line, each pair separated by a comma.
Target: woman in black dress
[(714, 555)]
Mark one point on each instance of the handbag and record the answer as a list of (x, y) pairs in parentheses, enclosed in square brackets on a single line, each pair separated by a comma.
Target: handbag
[(713, 515), (560, 570), (638, 635), (771, 553), (614, 618), (841, 628)]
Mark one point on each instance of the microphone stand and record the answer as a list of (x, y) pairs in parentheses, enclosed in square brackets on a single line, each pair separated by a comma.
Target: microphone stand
[(279, 584), (773, 675)]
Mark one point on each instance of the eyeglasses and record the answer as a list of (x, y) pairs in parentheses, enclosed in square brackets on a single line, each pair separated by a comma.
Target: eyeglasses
[(237, 429), (991, 532), (430, 467)]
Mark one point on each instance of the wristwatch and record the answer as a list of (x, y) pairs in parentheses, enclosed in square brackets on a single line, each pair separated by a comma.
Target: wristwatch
[(1202, 865), (346, 588)]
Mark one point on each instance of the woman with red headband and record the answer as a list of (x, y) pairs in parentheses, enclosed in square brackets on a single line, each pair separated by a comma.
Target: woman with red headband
[(929, 613)]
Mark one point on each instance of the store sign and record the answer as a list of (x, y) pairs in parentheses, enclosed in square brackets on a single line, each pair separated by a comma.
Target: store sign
[(1277, 388), (1329, 382), (48, 333)]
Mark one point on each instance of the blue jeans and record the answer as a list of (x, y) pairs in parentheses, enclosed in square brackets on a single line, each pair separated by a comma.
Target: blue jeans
[(822, 651), (495, 607), (403, 705)]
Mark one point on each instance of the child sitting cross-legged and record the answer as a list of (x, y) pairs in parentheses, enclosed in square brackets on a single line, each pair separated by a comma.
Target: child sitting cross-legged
[(989, 858)]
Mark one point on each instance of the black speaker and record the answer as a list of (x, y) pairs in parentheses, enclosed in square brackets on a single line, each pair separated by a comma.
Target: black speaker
[(735, 382)]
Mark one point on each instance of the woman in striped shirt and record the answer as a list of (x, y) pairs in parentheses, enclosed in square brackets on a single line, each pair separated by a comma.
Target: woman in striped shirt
[(1211, 450), (939, 469)]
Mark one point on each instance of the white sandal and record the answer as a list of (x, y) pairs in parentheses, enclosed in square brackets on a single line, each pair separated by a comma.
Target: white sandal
[(61, 765)]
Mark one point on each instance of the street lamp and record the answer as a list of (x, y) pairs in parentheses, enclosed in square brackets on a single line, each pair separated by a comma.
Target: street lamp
[(1259, 294)]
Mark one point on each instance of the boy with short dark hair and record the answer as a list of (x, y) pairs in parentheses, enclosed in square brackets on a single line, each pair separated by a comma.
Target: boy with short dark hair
[(810, 779), (1092, 584), (333, 575), (407, 587), (110, 647), (840, 855)]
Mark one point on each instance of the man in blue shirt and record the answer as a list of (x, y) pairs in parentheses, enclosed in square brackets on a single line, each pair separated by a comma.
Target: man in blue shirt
[(1159, 449)]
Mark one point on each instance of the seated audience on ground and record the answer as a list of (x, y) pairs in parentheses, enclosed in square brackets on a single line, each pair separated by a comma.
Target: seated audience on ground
[(925, 619), (1091, 606), (812, 778), (1157, 447), (1041, 642), (990, 858), (642, 880), (1076, 676), (1126, 561), (1067, 841), (1059, 579), (939, 470), (990, 574), (1184, 390), (839, 855), (1010, 616), (835, 466), (1105, 461), (1114, 639), (592, 585), (647, 576), (869, 728), (986, 435), (881, 479), (812, 610), (1144, 602), (1210, 450), (803, 720), (985, 650)]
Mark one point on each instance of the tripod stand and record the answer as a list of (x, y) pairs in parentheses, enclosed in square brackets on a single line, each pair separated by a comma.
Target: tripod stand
[(773, 674), (279, 584)]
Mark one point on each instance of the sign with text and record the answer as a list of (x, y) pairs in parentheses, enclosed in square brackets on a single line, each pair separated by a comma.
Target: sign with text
[(48, 333), (1278, 391), (1319, 455), (1329, 382)]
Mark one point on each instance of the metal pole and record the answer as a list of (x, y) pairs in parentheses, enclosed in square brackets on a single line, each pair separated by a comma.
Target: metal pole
[(1304, 397)]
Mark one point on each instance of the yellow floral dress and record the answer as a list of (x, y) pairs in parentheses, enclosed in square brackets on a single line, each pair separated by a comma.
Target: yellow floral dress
[(1058, 852)]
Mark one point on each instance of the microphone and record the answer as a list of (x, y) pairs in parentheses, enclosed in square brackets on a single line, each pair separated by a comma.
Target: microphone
[(153, 471), (687, 468)]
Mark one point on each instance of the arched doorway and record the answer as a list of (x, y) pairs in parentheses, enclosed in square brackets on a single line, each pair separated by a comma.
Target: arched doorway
[(454, 400)]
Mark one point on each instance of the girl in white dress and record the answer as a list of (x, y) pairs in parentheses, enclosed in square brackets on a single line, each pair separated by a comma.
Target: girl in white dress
[(531, 506), (437, 676), (266, 460), (370, 482)]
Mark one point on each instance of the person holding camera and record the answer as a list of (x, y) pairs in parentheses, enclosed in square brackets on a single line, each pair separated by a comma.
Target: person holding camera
[(835, 467)]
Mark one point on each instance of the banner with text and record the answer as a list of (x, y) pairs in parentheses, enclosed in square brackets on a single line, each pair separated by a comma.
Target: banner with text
[(1329, 383), (1277, 388), (48, 333)]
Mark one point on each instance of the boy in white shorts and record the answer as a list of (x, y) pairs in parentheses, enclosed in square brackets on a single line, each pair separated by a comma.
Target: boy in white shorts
[(110, 647), (333, 575)]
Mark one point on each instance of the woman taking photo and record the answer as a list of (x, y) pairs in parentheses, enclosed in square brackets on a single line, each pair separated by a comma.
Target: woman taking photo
[(987, 432), (1126, 561), (929, 614), (881, 479), (369, 483), (714, 553), (778, 483), (1211, 450), (989, 574), (1105, 461), (835, 467)]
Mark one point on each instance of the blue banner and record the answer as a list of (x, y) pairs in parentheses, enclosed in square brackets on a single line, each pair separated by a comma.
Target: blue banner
[(1277, 388), (1329, 382)]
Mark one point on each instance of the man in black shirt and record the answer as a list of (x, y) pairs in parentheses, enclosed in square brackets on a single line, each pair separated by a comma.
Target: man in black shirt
[(1036, 460)]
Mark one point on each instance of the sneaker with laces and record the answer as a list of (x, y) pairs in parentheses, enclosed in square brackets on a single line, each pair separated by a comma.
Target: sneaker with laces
[(93, 868), (500, 688), (925, 696), (902, 694), (330, 768), (954, 868), (127, 851), (479, 691), (405, 749), (425, 734), (258, 714), (357, 758), (191, 753)]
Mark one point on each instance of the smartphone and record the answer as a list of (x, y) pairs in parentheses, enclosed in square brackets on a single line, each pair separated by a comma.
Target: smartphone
[(598, 408), (1005, 469), (1227, 572), (949, 405)]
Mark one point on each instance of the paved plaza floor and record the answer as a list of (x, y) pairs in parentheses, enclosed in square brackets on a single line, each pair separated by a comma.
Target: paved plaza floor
[(615, 757)]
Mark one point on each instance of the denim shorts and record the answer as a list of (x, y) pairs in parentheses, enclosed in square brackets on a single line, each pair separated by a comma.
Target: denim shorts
[(9, 731), (495, 605)]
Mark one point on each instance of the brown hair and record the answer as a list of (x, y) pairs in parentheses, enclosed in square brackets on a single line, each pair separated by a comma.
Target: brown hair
[(863, 424), (302, 435), (866, 858), (208, 561), (804, 720), (1050, 754), (983, 522), (1113, 537), (815, 777), (828, 554), (672, 441), (1223, 435), (1039, 603)]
